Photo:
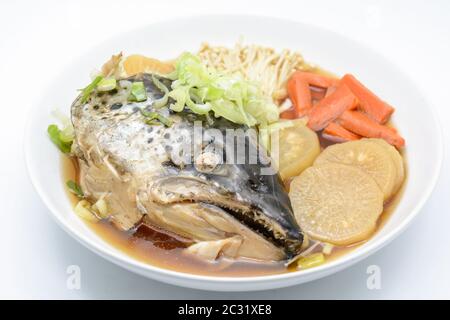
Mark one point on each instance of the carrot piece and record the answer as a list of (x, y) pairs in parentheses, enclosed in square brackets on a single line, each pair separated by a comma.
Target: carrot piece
[(317, 93), (290, 113), (375, 108), (331, 107), (300, 92), (337, 133), (359, 123), (300, 95), (330, 90), (315, 79)]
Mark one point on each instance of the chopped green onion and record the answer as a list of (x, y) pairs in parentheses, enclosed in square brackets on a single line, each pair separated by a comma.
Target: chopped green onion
[(67, 134), (312, 260), (152, 118), (75, 188), (150, 115), (101, 208), (59, 139), (138, 92), (165, 121), (83, 210), (163, 100), (327, 248), (152, 122), (86, 92), (107, 84)]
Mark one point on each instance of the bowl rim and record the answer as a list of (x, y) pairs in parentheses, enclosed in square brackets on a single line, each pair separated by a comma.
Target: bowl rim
[(134, 265)]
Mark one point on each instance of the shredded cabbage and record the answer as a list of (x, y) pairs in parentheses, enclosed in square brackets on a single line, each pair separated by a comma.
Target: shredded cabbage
[(230, 96)]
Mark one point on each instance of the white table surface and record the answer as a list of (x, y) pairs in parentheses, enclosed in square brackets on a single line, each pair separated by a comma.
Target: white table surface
[(37, 39)]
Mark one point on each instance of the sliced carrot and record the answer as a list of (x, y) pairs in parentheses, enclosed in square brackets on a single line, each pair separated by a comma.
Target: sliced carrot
[(317, 93), (302, 88), (315, 79), (300, 95), (375, 108), (337, 133), (359, 123), (331, 107), (330, 90), (290, 113)]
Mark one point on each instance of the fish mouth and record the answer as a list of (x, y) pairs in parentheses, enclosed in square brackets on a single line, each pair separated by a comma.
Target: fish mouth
[(188, 189), (254, 220)]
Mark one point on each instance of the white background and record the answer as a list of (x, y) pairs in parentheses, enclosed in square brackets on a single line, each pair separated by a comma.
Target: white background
[(39, 38)]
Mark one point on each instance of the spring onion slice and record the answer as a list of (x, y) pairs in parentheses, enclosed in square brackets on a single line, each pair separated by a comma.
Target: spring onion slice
[(154, 118), (312, 260), (86, 92), (75, 188), (106, 84), (165, 121), (138, 92), (67, 133), (55, 136), (101, 208), (83, 210), (327, 248), (163, 100)]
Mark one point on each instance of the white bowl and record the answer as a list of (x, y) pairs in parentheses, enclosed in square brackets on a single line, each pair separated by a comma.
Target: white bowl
[(413, 117)]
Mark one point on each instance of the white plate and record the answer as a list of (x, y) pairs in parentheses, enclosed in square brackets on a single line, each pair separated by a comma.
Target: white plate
[(413, 117)]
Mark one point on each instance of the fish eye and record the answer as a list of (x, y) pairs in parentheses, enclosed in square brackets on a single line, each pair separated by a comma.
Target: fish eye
[(207, 162)]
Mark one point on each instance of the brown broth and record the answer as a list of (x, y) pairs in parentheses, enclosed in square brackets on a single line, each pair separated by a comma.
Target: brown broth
[(157, 248)]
